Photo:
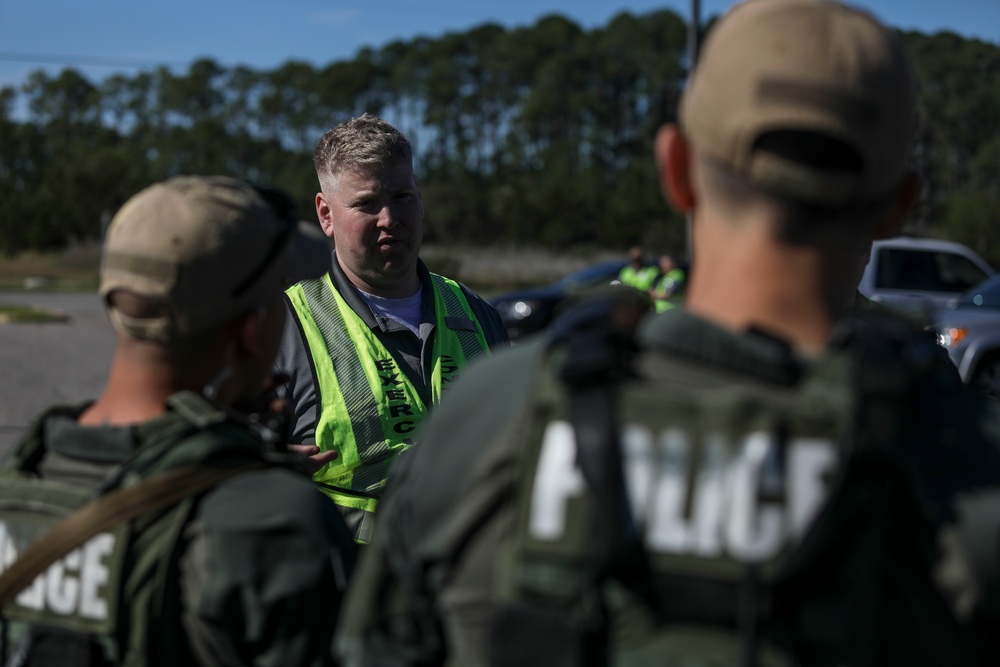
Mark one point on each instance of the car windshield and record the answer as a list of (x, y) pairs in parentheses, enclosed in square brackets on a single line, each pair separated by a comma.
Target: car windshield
[(984, 295)]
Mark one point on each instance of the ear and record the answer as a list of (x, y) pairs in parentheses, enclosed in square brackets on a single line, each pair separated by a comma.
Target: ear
[(906, 198), (325, 214), (673, 159)]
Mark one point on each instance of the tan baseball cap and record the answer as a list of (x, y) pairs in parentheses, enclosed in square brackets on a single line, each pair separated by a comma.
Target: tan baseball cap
[(205, 249), (804, 65)]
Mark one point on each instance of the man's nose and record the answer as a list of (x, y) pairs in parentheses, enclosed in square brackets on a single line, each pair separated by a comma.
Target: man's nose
[(387, 217)]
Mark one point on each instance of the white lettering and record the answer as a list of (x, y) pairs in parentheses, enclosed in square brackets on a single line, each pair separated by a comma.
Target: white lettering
[(668, 530), (709, 497), (809, 461), (638, 468), (745, 500), (70, 585), (8, 554), (94, 576), (31, 597), (62, 591), (556, 481), (754, 532)]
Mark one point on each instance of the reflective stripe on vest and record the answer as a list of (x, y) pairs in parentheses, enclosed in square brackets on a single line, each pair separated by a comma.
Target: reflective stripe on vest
[(368, 406)]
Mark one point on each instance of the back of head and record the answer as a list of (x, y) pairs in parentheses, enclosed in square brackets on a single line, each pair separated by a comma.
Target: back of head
[(366, 142), (809, 101), (193, 252)]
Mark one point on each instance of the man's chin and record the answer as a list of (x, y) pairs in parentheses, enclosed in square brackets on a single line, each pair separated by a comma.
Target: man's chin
[(394, 268), (395, 259)]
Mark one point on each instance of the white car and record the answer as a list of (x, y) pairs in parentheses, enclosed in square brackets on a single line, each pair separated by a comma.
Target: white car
[(921, 275)]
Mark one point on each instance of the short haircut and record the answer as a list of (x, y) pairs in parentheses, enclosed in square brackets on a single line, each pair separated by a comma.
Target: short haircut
[(185, 349), (366, 142)]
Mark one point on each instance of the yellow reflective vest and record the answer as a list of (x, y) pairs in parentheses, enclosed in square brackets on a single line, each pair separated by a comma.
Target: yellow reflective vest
[(641, 278), (368, 407)]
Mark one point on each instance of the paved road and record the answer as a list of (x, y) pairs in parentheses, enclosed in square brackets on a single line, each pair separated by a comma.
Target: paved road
[(49, 363)]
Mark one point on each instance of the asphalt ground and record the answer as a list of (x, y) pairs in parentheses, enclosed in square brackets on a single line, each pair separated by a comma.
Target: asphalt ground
[(54, 362)]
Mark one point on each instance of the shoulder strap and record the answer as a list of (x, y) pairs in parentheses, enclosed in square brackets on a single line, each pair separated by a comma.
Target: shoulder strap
[(599, 340), (30, 449), (597, 337), (108, 511)]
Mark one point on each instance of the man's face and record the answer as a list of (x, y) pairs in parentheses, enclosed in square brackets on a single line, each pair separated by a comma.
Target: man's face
[(376, 219)]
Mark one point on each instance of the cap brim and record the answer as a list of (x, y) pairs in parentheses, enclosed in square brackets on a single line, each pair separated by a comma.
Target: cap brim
[(308, 253)]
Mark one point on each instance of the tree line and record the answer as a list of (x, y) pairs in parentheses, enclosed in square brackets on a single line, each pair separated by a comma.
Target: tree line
[(536, 135)]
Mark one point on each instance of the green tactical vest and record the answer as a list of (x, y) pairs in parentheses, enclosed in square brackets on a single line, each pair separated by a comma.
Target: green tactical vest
[(754, 525), (368, 408), (114, 600)]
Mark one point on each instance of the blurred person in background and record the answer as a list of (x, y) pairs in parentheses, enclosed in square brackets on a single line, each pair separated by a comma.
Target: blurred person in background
[(638, 273), (668, 290)]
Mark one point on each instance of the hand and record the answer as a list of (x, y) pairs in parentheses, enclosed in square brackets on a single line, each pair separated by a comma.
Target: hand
[(316, 458), (272, 415)]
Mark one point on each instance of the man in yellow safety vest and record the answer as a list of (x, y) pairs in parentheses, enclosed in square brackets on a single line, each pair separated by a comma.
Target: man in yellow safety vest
[(371, 345)]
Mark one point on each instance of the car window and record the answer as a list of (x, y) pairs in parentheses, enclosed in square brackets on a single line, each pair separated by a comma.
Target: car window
[(986, 295), (933, 271)]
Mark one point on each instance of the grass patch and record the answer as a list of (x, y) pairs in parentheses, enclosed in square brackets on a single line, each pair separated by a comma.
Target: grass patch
[(488, 270), (72, 270), (28, 314)]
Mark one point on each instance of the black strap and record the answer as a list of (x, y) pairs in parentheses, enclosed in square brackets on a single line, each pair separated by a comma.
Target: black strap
[(599, 351)]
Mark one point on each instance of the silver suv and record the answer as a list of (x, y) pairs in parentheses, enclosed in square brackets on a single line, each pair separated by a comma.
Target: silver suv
[(916, 274), (970, 331)]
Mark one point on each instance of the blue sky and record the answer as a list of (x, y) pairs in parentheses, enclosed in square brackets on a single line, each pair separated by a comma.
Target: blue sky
[(265, 33)]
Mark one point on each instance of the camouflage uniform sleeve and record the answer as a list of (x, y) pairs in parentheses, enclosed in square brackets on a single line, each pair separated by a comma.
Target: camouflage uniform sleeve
[(264, 572)]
